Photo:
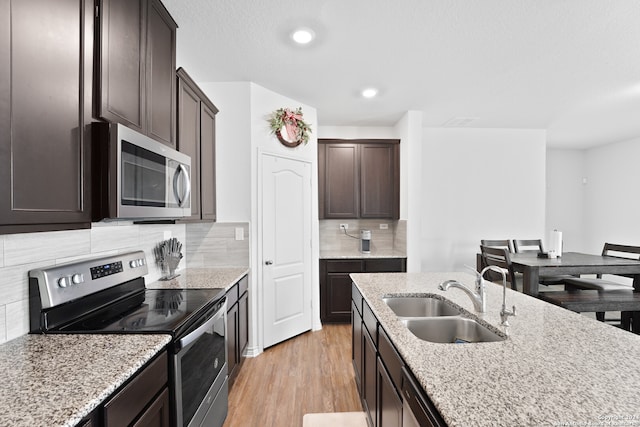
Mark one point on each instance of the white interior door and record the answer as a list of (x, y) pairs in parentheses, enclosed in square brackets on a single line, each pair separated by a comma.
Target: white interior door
[(286, 248)]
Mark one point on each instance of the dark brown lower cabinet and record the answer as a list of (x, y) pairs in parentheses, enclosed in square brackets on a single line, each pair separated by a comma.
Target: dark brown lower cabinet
[(237, 326), (335, 283), (389, 402), (356, 344), (232, 332), (143, 401), (369, 376), (157, 415), (381, 374)]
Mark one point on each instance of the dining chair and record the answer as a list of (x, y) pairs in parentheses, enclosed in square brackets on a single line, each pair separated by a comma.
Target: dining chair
[(499, 256), (531, 245), (493, 243), (506, 243), (605, 285), (535, 245)]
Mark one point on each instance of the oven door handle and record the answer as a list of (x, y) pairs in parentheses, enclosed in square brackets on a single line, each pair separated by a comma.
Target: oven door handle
[(202, 329)]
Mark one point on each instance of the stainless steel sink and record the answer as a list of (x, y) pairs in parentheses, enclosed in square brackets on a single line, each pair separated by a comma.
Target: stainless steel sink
[(420, 307), (451, 330)]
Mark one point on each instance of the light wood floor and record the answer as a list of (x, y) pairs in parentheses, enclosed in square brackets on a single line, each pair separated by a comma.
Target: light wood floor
[(306, 374)]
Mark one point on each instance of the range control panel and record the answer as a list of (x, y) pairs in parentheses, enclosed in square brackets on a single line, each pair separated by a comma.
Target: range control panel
[(106, 270), (62, 283)]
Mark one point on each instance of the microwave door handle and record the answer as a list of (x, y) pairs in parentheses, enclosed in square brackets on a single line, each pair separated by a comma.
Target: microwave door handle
[(187, 185)]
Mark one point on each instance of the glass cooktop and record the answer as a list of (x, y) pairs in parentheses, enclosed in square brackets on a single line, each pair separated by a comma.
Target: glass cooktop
[(151, 310)]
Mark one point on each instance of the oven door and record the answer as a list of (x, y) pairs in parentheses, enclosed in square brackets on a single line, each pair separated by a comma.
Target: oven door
[(200, 372)]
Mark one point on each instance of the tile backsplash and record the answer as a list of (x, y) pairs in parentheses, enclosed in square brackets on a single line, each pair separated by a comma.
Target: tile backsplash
[(394, 237), (215, 245), (210, 245)]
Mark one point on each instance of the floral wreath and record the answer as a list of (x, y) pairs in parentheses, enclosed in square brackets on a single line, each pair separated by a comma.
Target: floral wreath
[(296, 131)]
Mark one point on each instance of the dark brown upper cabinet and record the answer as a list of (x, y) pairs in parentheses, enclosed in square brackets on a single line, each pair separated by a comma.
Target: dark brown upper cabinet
[(197, 138), (46, 56), (359, 179), (136, 64)]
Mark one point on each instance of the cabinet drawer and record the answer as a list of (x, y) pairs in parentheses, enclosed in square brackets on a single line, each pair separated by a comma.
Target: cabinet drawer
[(125, 406), (346, 266), (385, 265), (370, 322), (356, 297), (390, 358)]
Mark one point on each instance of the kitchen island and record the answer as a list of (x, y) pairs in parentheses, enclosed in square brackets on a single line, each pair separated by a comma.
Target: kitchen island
[(555, 367)]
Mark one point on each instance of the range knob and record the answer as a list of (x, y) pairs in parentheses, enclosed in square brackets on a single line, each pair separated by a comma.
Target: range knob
[(134, 263), (77, 279), (63, 282)]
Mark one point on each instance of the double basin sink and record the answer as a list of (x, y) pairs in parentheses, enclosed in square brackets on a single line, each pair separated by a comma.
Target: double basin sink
[(434, 320)]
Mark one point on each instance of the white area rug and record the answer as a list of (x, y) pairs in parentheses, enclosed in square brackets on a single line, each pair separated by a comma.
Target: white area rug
[(335, 419)]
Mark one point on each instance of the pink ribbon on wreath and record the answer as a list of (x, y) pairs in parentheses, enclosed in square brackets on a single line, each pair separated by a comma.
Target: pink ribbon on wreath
[(291, 124)]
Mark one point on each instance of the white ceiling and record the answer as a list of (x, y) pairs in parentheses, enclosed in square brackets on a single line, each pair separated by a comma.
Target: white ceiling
[(571, 67)]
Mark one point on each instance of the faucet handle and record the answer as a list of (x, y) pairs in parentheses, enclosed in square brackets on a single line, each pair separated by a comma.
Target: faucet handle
[(504, 315)]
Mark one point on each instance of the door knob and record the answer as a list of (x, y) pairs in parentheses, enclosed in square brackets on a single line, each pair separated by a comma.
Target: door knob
[(268, 262)]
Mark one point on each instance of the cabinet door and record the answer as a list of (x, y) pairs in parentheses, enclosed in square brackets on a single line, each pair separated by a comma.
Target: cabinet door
[(122, 47), (127, 404), (337, 295), (341, 196), (45, 101), (189, 137), (379, 181), (156, 415), (208, 161), (243, 324), (160, 73), (356, 345), (335, 289), (389, 402), (232, 340), (369, 374)]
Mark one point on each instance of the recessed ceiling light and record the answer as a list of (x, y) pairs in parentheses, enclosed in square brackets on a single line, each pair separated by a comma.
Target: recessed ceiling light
[(303, 36), (370, 92)]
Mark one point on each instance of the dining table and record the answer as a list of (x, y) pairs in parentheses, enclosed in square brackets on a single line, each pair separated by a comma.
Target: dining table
[(571, 263)]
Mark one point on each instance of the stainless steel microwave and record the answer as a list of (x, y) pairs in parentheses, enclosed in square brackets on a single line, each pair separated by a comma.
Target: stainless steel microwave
[(136, 177)]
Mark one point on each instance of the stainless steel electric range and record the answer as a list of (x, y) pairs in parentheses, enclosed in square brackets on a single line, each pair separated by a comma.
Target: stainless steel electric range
[(108, 295)]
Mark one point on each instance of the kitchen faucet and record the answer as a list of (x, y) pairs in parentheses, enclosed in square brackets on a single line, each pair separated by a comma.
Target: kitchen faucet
[(478, 297)]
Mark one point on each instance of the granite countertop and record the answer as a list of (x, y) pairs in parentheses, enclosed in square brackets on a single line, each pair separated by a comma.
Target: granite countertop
[(555, 367), (202, 278), (56, 380), (356, 254)]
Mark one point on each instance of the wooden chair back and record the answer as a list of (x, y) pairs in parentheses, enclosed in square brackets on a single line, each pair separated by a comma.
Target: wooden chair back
[(621, 251), (499, 257), (506, 243), (531, 245)]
